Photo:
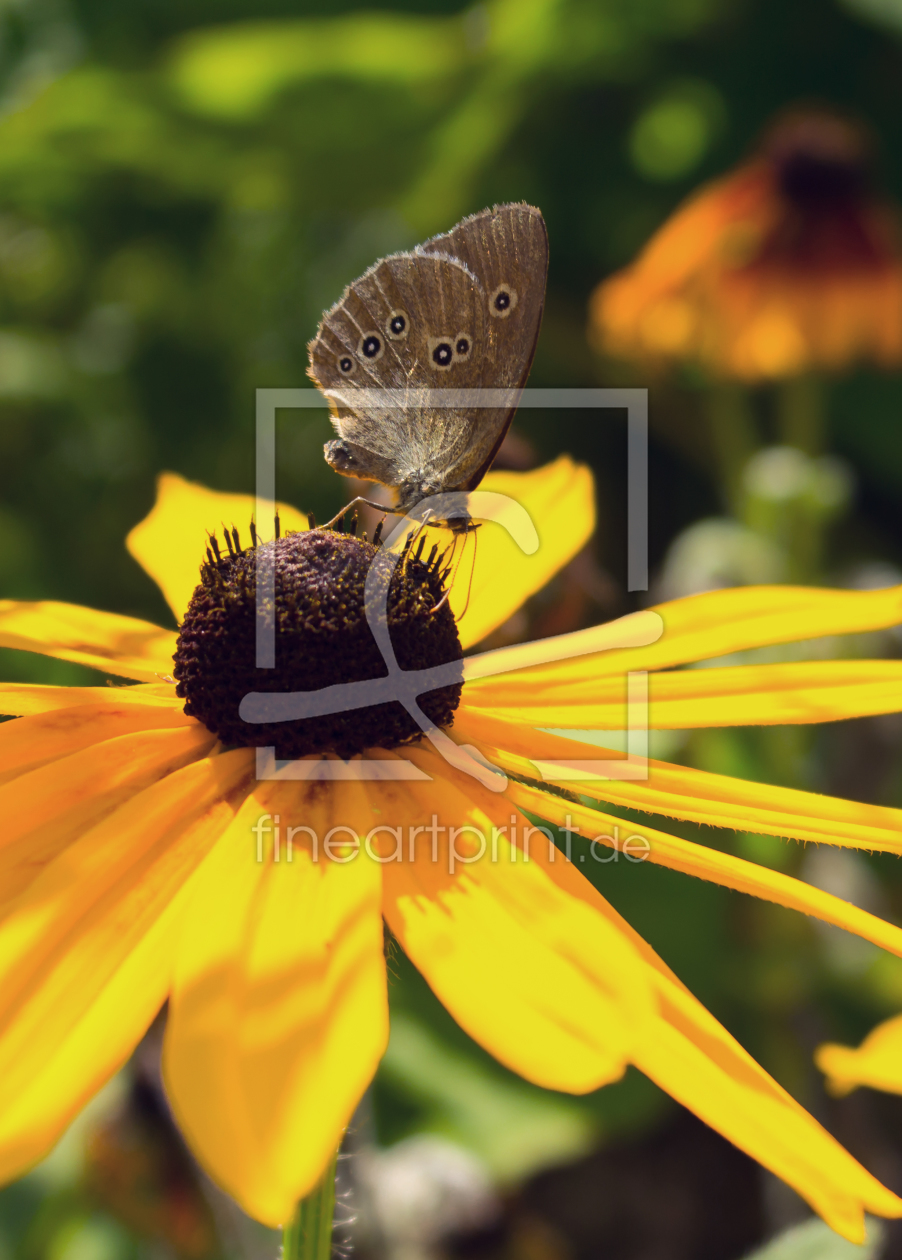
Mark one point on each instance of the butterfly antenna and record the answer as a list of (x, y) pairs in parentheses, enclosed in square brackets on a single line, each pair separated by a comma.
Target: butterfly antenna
[(472, 570)]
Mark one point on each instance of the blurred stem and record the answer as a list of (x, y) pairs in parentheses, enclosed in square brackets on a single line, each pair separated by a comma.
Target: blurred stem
[(309, 1234), (800, 414), (734, 435)]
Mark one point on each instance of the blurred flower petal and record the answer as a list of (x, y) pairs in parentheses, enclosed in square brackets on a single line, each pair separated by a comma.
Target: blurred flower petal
[(877, 1062)]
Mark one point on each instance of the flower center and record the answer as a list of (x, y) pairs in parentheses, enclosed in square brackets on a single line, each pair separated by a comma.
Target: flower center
[(822, 162), (322, 637)]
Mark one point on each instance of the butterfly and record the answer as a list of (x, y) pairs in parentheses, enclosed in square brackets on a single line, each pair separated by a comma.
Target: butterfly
[(460, 312)]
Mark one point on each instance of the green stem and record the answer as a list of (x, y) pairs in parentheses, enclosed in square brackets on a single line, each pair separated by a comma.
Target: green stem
[(734, 436), (800, 414), (308, 1236)]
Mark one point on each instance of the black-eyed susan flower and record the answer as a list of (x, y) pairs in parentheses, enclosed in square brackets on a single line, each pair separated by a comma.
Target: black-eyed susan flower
[(789, 264), (143, 860)]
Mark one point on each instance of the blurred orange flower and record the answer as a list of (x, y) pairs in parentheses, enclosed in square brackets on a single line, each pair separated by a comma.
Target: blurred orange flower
[(789, 263)]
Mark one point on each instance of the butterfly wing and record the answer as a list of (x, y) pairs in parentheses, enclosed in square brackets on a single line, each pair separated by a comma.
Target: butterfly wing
[(507, 248), (413, 323), (462, 311)]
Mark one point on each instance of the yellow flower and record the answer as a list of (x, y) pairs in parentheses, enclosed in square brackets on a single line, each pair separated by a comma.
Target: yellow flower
[(131, 872), (789, 263)]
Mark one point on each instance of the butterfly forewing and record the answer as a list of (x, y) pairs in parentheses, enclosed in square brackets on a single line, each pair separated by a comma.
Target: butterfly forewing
[(461, 312)]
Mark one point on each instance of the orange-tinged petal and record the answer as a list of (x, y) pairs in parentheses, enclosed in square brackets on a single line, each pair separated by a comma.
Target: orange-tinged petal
[(29, 742), (877, 1062), (111, 643), (45, 810), (717, 623), (534, 974), (740, 695), (696, 795), (279, 1014), (169, 543), (560, 500), (86, 949), (711, 864), (25, 699)]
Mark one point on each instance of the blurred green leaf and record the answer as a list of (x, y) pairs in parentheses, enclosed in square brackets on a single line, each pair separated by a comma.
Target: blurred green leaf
[(672, 134), (513, 1127), (236, 72), (884, 12)]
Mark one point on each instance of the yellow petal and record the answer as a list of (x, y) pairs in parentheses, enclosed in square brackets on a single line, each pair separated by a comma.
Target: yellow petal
[(530, 970), (524, 661), (560, 500), (169, 543), (86, 950), (877, 1062), (681, 1046), (691, 1056), (106, 641), (696, 795), (741, 695), (703, 627), (25, 699), (684, 1049), (710, 864), (45, 810), (29, 742), (279, 1014)]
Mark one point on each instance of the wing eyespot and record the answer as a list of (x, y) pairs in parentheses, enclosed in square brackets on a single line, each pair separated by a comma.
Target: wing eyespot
[(370, 348), (503, 300), (346, 364), (463, 347), (441, 353), (397, 326)]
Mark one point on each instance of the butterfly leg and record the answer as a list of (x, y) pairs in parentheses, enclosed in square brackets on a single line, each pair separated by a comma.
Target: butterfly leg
[(380, 507)]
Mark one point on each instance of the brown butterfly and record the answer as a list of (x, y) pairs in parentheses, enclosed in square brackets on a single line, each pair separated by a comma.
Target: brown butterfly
[(461, 311)]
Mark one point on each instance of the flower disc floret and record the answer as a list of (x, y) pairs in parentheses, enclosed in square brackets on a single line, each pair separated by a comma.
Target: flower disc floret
[(322, 637)]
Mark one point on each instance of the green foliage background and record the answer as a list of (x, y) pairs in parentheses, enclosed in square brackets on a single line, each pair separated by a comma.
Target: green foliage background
[(185, 186)]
